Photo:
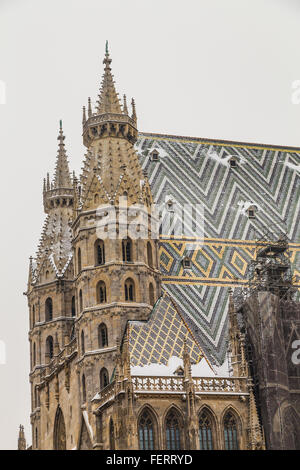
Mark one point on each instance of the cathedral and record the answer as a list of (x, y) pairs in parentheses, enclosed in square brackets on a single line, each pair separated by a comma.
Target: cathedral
[(151, 339)]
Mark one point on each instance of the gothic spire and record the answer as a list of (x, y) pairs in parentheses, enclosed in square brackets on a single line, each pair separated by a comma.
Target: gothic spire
[(108, 98), (62, 177)]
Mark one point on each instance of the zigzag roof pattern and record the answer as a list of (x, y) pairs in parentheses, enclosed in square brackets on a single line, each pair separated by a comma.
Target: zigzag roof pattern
[(195, 170)]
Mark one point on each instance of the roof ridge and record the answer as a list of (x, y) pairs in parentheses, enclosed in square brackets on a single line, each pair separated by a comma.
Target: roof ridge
[(220, 141)]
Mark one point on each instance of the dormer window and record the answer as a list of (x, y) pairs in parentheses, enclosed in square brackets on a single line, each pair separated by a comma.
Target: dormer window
[(154, 156), (179, 371), (170, 205), (251, 211), (187, 264), (233, 162)]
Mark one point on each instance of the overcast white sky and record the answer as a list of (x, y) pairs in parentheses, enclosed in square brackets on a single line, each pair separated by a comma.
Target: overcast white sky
[(207, 68)]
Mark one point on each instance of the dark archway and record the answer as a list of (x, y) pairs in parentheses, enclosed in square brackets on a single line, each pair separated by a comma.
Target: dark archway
[(59, 431)]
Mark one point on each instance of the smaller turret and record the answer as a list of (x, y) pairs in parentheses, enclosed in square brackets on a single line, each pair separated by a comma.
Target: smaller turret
[(60, 191), (21, 438)]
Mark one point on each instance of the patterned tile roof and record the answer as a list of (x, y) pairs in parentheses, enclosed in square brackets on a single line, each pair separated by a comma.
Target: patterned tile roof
[(191, 170), (162, 337)]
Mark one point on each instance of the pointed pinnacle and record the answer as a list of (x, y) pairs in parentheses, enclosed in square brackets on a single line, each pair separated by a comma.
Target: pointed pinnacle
[(125, 109)]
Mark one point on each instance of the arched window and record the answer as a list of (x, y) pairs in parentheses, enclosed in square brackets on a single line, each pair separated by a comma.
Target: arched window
[(80, 301), (205, 431), (173, 431), (230, 432), (127, 249), (99, 252), (82, 343), (104, 381), (111, 435), (149, 255), (79, 260), (151, 294), (129, 290), (102, 336), (33, 316), (34, 355), (101, 292), (49, 347), (146, 431), (48, 309), (83, 388), (36, 397), (73, 308)]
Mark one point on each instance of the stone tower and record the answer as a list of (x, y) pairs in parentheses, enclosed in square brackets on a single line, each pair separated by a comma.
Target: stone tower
[(50, 290), (117, 277)]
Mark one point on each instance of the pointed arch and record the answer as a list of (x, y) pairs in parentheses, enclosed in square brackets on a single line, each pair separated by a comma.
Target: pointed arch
[(79, 261), (101, 292), (49, 347), (129, 290), (34, 355), (112, 444), (147, 429), (99, 252), (127, 250), (149, 255), (173, 429), (151, 294), (82, 340), (83, 387), (104, 378), (73, 306), (102, 336), (48, 309), (231, 429), (80, 301), (207, 429), (59, 434)]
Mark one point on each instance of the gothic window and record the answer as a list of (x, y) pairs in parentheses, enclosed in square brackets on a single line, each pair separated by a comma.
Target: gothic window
[(82, 343), (59, 434), (173, 431), (127, 249), (73, 308), (34, 355), (33, 316), (230, 432), (151, 294), (79, 260), (149, 255), (104, 381), (101, 292), (99, 253), (83, 388), (102, 336), (80, 300), (111, 435), (205, 431), (49, 347), (36, 397), (48, 309), (129, 290), (146, 431)]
